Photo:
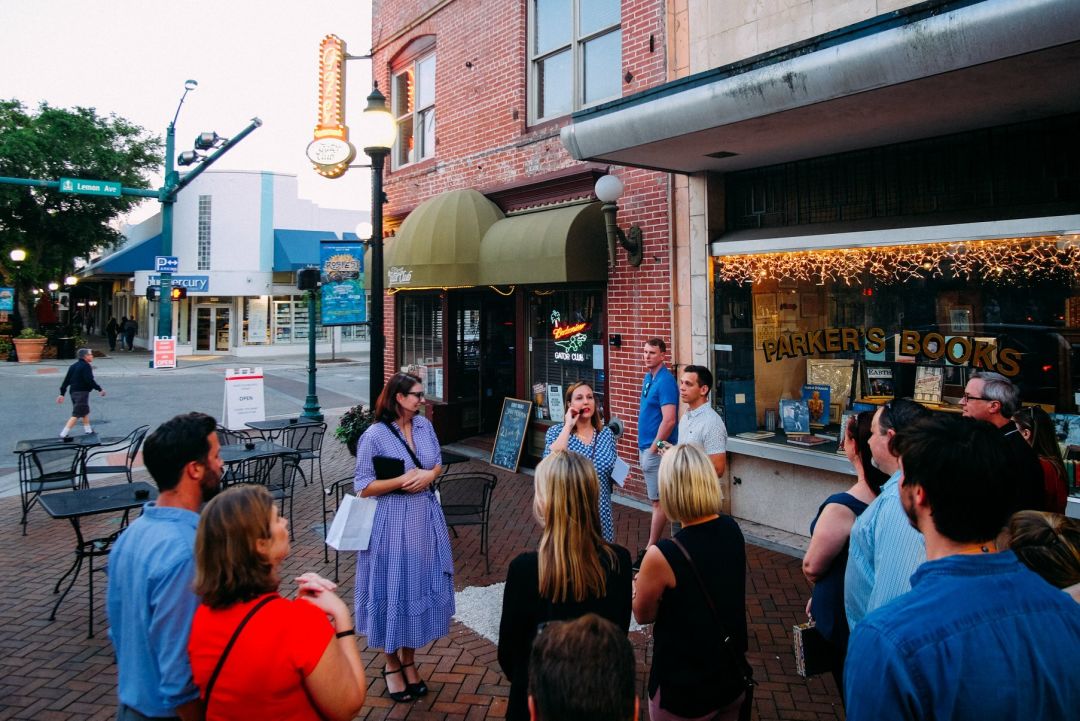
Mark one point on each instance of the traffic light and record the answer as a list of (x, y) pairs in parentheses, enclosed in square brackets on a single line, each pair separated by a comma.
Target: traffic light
[(178, 293), (151, 293)]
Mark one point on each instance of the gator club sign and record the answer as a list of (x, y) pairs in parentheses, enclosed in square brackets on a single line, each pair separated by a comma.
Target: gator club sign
[(956, 349)]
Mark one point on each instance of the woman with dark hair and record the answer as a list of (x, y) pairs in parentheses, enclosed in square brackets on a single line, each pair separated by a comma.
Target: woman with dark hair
[(582, 431), (830, 532), (405, 579), (1037, 428), (573, 572), (1048, 544), (692, 587), (253, 653)]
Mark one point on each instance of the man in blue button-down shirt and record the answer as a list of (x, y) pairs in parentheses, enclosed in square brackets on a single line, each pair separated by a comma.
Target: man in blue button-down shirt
[(885, 550), (151, 570), (979, 636)]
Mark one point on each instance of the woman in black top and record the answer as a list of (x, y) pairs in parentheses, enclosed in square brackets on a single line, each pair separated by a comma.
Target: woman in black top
[(693, 675), (573, 572)]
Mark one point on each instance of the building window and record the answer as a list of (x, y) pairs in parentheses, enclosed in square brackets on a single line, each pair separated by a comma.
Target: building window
[(566, 332), (204, 232), (573, 64), (420, 330), (289, 322), (807, 337), (414, 110)]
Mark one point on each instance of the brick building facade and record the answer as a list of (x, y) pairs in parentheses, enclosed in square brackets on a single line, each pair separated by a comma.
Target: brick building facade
[(488, 137)]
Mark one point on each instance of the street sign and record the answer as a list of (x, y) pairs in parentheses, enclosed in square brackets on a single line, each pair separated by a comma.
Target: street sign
[(90, 187), (166, 263)]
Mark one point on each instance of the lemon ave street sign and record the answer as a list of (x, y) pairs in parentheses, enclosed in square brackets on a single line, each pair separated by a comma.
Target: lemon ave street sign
[(90, 187)]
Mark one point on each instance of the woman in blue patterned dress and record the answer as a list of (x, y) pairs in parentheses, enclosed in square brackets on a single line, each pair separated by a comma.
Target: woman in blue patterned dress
[(583, 432), (405, 580)]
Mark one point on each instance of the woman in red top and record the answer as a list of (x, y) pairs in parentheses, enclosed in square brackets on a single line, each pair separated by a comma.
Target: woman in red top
[(1038, 430), (288, 661)]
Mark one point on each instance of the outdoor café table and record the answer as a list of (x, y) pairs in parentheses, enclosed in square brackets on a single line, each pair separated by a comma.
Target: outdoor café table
[(85, 440), (236, 457), (272, 430), (75, 505), (449, 458)]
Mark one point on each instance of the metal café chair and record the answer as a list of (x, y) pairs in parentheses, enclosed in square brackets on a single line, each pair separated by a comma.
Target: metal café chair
[(307, 439), (466, 501), (51, 468), (336, 490), (277, 473), (227, 437), (129, 446)]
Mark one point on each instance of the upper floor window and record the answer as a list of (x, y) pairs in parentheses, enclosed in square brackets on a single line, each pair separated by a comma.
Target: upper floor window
[(414, 110), (575, 55), (204, 233)]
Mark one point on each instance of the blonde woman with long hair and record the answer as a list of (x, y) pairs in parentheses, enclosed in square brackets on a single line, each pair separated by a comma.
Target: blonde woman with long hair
[(693, 588), (573, 572)]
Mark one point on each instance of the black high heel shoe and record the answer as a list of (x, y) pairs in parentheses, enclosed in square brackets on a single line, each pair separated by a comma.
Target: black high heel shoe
[(399, 696), (417, 689)]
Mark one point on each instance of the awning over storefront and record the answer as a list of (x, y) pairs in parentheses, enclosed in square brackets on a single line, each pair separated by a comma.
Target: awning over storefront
[(438, 245), (296, 249), (138, 256), (562, 245), (930, 69)]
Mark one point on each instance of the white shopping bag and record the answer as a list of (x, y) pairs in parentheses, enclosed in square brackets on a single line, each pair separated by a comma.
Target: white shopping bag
[(351, 528), (619, 472)]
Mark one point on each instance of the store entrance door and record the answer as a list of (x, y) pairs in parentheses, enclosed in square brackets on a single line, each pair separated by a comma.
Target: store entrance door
[(212, 327), (483, 358)]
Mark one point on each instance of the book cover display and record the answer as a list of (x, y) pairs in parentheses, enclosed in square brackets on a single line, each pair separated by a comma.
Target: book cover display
[(929, 381), (878, 382), (817, 397), (794, 416)]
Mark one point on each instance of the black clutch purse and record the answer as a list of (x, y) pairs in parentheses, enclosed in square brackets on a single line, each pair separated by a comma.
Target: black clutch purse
[(813, 653), (387, 467)]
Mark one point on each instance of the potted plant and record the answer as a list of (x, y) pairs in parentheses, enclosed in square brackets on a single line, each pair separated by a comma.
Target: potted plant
[(352, 425), (29, 344)]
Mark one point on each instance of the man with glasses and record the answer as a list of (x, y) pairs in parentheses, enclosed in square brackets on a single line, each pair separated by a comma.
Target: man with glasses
[(656, 428), (885, 550), (994, 398)]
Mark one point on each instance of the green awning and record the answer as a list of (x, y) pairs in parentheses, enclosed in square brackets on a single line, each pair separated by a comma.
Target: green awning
[(562, 245), (438, 245)]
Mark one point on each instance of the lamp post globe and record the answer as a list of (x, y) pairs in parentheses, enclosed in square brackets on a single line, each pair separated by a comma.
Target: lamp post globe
[(71, 280), (54, 286), (609, 188), (378, 131), (18, 255)]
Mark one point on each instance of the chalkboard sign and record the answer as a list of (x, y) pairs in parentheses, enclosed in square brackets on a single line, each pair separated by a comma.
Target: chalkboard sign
[(509, 439)]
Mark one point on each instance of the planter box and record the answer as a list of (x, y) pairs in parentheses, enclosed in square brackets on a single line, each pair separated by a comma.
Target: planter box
[(29, 349)]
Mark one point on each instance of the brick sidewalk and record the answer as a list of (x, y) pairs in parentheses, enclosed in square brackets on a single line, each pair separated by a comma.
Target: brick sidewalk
[(50, 670)]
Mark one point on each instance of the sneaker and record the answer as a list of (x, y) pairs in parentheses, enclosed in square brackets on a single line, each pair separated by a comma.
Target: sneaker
[(640, 557)]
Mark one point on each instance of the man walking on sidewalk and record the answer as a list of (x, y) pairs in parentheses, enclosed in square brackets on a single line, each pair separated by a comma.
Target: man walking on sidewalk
[(80, 378)]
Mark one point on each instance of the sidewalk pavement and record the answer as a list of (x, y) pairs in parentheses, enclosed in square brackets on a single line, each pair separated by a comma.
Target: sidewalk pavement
[(50, 670)]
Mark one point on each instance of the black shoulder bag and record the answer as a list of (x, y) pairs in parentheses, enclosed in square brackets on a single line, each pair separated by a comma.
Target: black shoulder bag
[(728, 643), (411, 452), (229, 645)]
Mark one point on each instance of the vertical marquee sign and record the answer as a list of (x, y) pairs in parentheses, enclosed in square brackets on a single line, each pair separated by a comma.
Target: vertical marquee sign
[(341, 264), (330, 151)]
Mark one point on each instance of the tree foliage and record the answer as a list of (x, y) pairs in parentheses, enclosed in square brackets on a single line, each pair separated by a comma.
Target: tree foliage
[(56, 228)]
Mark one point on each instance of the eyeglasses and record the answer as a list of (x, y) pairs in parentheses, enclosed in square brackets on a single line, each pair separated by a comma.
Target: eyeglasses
[(968, 397), (418, 394), (646, 387)]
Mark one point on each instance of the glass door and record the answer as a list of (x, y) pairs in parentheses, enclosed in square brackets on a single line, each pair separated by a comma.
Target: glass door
[(212, 328)]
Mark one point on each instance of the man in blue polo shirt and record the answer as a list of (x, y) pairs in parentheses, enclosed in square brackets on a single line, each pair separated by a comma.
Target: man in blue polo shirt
[(979, 636), (151, 569), (657, 420)]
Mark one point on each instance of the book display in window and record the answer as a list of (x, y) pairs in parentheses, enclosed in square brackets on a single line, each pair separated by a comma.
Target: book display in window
[(794, 416), (878, 382), (928, 383), (817, 397), (806, 439), (838, 374), (844, 420)]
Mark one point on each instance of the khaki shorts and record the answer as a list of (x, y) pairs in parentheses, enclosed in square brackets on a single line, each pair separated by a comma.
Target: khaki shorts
[(650, 468)]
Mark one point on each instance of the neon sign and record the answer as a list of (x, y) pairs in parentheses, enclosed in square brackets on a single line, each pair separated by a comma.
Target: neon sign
[(331, 152), (571, 340)]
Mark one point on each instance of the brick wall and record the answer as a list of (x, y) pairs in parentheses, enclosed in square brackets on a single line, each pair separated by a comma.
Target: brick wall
[(483, 141)]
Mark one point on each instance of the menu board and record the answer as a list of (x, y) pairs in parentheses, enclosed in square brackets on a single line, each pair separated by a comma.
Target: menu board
[(510, 437)]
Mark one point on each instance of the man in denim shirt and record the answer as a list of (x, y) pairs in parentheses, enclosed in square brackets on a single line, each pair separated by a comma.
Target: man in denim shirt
[(885, 550), (151, 569), (979, 636)]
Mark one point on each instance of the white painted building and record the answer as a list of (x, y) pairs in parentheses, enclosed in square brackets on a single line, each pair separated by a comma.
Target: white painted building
[(240, 237)]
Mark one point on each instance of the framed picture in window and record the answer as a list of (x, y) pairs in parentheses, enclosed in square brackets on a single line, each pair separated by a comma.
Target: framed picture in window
[(960, 319), (765, 305)]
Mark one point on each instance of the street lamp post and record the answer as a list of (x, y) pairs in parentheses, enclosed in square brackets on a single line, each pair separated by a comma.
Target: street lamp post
[(378, 131), (309, 281), (18, 256)]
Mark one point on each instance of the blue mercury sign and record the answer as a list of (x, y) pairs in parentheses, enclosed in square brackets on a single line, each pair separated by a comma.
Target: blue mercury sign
[(341, 264)]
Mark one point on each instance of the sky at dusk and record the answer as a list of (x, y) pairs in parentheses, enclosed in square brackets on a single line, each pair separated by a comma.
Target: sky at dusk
[(131, 58)]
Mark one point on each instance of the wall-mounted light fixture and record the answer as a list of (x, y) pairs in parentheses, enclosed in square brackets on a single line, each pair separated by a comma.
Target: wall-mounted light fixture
[(608, 190)]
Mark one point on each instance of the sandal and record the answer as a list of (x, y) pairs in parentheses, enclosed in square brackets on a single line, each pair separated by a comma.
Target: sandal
[(417, 689), (398, 696)]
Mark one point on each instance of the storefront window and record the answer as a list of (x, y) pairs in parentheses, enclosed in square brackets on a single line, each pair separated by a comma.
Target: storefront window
[(420, 333), (566, 340), (802, 338), (289, 322)]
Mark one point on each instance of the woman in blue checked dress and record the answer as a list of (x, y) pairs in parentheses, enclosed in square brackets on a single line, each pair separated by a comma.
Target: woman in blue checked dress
[(583, 432), (405, 580)]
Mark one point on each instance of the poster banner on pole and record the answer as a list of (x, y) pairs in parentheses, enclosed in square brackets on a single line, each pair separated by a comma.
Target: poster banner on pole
[(164, 352), (341, 265), (7, 300), (243, 397)]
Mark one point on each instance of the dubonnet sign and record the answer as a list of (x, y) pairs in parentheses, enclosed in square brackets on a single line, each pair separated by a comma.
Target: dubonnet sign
[(331, 152)]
